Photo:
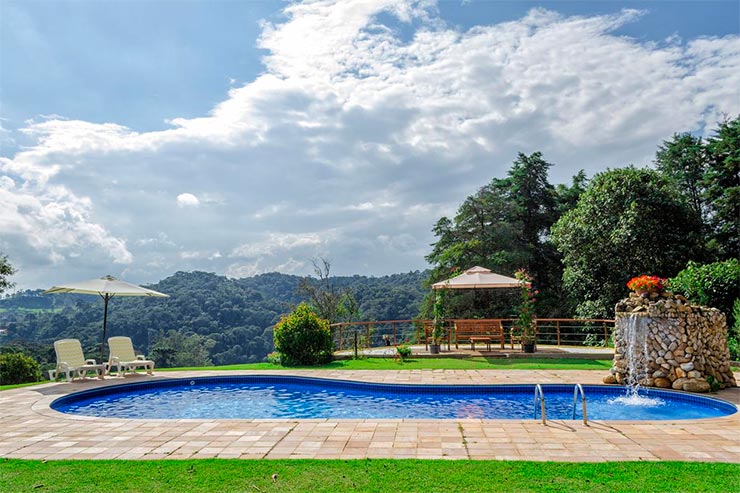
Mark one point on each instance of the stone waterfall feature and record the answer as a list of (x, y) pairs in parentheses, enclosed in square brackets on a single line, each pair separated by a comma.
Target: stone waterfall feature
[(662, 340)]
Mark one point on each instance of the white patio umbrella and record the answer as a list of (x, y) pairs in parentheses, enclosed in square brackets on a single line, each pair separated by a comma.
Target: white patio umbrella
[(107, 287), (477, 278)]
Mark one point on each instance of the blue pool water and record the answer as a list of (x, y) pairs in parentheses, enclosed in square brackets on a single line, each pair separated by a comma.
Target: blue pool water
[(247, 397)]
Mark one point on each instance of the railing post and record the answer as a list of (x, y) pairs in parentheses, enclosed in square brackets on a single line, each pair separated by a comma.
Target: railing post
[(606, 336), (394, 333), (340, 338), (367, 336), (557, 329)]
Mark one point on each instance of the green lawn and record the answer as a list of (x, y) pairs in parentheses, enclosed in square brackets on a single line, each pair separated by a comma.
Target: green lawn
[(427, 476), (18, 385), (478, 363)]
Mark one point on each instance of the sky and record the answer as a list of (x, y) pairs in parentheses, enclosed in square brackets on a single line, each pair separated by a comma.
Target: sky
[(141, 138)]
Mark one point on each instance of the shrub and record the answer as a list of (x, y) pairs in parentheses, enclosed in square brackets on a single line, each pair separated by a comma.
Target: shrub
[(274, 358), (733, 337), (302, 338), (18, 368), (716, 285), (404, 351)]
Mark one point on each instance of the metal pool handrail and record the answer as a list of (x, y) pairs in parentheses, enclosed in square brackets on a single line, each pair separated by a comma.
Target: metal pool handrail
[(576, 390), (539, 393)]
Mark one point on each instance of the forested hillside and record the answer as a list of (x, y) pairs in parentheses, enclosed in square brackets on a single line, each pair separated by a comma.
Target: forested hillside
[(207, 318)]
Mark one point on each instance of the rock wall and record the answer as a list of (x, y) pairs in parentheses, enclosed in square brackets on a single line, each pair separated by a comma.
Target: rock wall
[(684, 346)]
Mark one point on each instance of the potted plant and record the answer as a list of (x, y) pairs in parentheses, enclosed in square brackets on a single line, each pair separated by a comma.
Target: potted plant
[(525, 325)]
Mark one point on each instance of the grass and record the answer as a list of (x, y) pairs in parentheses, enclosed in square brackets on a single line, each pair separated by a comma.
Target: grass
[(427, 476), (19, 385), (477, 363)]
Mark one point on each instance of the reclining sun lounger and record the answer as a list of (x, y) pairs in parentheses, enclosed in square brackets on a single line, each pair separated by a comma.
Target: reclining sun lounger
[(71, 360), (122, 356)]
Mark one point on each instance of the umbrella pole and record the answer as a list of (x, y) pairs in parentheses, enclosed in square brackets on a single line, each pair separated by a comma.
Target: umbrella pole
[(106, 297)]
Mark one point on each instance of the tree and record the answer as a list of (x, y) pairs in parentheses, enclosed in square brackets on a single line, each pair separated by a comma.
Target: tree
[(483, 232), (329, 301), (6, 270), (534, 197), (505, 226), (567, 196), (180, 350), (684, 160), (721, 183), (629, 221)]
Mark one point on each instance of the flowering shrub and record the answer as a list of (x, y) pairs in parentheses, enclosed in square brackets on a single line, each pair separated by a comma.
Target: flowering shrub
[(525, 322), (646, 283)]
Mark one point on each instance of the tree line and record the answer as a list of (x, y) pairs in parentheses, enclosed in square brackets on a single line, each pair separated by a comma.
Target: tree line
[(208, 319)]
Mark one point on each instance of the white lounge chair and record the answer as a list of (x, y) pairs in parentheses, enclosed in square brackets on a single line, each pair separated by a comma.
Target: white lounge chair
[(122, 356), (71, 360)]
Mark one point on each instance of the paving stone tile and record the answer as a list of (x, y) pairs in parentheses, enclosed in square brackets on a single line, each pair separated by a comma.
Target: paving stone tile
[(30, 429)]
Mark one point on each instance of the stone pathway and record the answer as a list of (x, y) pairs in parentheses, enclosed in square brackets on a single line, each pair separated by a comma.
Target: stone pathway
[(30, 429)]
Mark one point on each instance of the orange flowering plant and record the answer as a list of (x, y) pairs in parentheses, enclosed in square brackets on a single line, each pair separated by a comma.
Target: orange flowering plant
[(646, 283)]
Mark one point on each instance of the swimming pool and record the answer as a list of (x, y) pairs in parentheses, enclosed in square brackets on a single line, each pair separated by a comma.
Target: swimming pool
[(281, 397)]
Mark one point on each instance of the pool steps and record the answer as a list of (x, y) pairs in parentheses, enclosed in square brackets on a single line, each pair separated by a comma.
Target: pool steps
[(539, 396), (539, 393), (578, 389)]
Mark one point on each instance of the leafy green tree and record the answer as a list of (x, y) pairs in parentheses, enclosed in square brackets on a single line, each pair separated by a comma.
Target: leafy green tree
[(721, 184), (6, 270), (629, 221)]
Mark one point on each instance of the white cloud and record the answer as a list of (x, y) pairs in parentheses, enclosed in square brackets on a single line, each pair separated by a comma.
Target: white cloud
[(354, 140), (273, 243), (187, 200)]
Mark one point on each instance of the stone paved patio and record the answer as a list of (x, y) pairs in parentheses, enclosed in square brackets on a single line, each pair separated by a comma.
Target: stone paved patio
[(30, 429)]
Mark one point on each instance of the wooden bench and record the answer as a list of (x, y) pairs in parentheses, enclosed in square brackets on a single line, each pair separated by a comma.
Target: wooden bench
[(479, 331)]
